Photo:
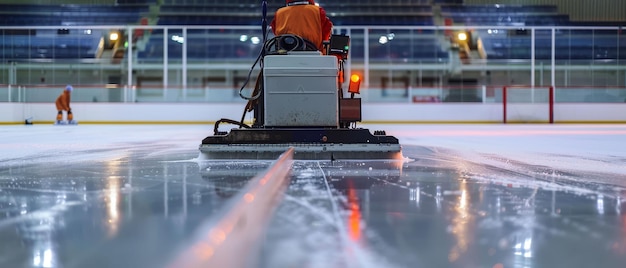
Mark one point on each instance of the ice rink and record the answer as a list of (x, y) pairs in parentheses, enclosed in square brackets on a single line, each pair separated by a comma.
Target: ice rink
[(465, 196)]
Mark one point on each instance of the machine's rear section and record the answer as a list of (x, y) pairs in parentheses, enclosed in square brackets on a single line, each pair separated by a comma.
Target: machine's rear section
[(301, 90), (301, 105), (315, 143)]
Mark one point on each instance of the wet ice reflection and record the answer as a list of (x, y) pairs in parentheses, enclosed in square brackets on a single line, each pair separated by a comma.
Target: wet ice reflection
[(448, 208), (354, 212), (600, 204), (460, 227), (323, 221), (414, 194), (111, 199), (500, 222), (38, 228), (88, 211), (43, 257)]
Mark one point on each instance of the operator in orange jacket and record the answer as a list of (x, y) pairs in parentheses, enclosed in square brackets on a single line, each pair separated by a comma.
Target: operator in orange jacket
[(305, 19), (63, 104)]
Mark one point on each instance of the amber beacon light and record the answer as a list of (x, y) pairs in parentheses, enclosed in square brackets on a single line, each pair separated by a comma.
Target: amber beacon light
[(355, 84)]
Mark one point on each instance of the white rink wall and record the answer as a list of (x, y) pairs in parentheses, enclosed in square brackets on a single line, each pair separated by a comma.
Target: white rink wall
[(200, 113)]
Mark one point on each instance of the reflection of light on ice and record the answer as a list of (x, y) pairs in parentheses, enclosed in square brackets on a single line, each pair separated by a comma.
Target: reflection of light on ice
[(525, 250), (354, 218), (600, 204), (460, 221), (438, 198), (24, 208), (43, 261), (112, 204), (498, 205), (463, 201), (414, 194)]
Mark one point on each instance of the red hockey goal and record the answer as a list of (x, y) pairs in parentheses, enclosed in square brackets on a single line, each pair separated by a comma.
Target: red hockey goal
[(528, 104)]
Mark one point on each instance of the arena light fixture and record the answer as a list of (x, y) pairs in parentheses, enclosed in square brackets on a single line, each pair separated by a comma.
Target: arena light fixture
[(114, 36), (383, 40), (462, 36), (178, 39)]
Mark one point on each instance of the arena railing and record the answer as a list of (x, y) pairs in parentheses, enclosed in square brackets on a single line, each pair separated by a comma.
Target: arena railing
[(194, 58)]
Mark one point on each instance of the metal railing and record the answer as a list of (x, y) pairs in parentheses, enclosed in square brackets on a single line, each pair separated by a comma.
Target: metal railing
[(187, 57)]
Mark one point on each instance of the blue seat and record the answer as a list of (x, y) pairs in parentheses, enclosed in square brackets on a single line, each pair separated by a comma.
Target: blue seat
[(529, 15), (136, 2), (52, 15), (574, 47), (48, 45), (448, 1), (499, 9), (27, 44)]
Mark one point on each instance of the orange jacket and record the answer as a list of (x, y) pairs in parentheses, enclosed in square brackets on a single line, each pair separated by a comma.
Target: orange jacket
[(305, 20), (63, 101)]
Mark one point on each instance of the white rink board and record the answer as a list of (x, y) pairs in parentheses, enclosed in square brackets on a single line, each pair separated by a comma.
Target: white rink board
[(372, 112)]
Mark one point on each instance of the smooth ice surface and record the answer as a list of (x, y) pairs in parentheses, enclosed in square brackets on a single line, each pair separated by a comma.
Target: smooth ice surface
[(470, 196), (599, 148)]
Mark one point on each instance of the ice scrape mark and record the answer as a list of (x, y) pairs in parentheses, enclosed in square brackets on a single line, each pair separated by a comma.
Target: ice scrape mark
[(316, 234), (517, 182), (307, 173)]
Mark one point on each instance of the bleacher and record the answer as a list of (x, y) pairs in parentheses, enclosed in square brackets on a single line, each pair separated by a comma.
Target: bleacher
[(70, 15), (62, 43), (516, 44), (507, 44), (49, 46), (136, 2), (248, 12), (567, 47), (504, 15)]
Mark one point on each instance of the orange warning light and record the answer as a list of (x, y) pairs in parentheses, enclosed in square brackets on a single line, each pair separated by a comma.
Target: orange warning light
[(355, 84)]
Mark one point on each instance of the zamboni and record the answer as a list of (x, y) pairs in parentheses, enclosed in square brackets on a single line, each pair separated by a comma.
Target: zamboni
[(298, 102)]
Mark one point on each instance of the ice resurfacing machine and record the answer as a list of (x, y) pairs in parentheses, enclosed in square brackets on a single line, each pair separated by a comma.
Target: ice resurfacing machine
[(298, 101)]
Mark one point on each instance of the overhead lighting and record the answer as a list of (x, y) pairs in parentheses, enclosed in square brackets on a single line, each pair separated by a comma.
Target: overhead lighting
[(243, 38), (255, 40), (383, 40), (178, 39), (462, 36), (114, 36)]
